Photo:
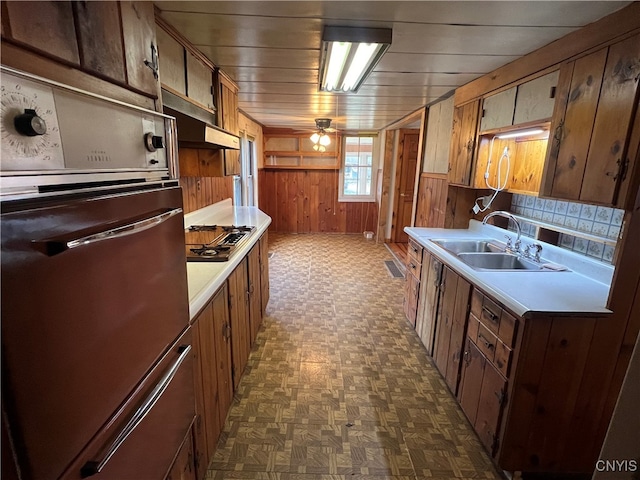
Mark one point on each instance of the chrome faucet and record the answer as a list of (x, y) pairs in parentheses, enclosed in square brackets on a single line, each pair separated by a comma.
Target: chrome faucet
[(507, 215)]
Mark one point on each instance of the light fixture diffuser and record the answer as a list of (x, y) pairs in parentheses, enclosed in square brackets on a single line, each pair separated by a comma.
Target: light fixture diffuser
[(349, 55)]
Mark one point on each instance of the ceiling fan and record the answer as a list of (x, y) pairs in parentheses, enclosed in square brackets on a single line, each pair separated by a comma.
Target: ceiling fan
[(320, 137)]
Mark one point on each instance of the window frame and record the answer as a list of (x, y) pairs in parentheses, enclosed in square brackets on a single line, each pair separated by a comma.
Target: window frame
[(374, 170)]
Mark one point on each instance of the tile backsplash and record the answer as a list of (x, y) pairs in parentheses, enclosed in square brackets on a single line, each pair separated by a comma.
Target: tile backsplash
[(581, 217)]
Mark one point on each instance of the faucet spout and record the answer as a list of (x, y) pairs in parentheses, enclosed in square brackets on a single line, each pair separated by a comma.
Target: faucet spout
[(502, 213)]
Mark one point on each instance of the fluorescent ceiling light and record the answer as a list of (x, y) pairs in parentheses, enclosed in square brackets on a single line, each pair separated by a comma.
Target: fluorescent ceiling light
[(521, 133), (349, 55)]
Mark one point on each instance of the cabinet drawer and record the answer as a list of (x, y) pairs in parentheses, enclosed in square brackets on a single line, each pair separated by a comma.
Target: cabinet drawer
[(500, 322), (414, 252), (486, 342), (414, 267), (502, 358), (490, 315)]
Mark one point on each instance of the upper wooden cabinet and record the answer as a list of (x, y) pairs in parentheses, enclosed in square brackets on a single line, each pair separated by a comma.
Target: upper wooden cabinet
[(463, 143), (438, 137), (497, 110), (184, 73), (111, 45), (588, 156), (528, 102), (227, 93)]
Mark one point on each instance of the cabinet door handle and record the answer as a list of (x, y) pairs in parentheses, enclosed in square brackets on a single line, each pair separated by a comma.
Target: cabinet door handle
[(412, 266), (92, 467), (486, 342), (492, 316), (466, 358)]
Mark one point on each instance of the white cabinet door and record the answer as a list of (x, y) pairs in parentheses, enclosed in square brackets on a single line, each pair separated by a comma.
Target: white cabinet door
[(438, 137), (171, 61), (536, 99), (199, 82)]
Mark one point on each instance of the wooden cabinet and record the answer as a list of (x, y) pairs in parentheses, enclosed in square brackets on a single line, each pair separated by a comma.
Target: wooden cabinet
[(438, 137), (430, 279), (184, 466), (239, 312), (451, 326), (588, 155), (255, 301), (184, 71), (291, 150), (528, 102), (227, 92), (497, 110), (463, 143), (412, 281), (212, 374), (264, 272), (110, 45)]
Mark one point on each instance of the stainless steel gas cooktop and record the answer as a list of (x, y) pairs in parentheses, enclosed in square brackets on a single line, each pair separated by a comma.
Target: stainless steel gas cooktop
[(214, 243)]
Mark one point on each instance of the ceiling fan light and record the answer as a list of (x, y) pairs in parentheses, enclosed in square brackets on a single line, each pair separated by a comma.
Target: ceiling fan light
[(315, 137), (322, 149), (324, 140), (316, 147)]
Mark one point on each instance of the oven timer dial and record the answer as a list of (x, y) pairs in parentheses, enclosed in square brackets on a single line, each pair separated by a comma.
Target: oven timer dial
[(29, 123)]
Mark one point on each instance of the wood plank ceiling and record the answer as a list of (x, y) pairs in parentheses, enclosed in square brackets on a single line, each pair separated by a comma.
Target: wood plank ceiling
[(272, 50)]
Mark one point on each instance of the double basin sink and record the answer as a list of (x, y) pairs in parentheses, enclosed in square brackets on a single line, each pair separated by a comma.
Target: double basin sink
[(492, 255)]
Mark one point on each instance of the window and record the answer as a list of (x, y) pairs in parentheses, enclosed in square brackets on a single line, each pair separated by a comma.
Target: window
[(357, 174)]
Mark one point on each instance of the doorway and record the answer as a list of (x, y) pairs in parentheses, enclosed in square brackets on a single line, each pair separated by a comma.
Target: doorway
[(405, 174)]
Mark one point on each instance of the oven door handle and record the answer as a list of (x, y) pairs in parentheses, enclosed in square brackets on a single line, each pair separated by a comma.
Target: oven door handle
[(54, 247), (95, 466)]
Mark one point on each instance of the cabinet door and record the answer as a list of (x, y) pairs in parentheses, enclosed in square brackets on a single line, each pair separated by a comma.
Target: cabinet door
[(463, 143), (223, 358), (411, 289), (428, 300), (443, 142), (171, 58), (96, 23), (199, 427), (497, 110), (490, 406), (239, 311), (471, 380), (458, 324), (431, 139), (536, 99), (255, 306), (264, 271), (446, 311), (588, 156), (140, 46), (199, 82), (604, 170), (49, 27), (229, 121)]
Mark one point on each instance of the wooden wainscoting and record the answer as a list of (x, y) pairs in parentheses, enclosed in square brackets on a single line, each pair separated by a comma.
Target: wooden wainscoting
[(432, 200), (306, 201)]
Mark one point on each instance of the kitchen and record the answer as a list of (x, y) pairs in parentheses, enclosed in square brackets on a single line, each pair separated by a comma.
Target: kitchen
[(299, 189)]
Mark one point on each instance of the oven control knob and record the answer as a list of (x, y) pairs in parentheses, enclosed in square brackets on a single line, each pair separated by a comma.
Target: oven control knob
[(30, 124), (153, 142)]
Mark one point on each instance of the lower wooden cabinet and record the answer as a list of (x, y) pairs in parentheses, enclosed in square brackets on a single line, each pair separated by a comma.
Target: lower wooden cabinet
[(212, 375), (411, 291), (255, 300), (264, 271), (451, 324), (482, 395), (430, 279)]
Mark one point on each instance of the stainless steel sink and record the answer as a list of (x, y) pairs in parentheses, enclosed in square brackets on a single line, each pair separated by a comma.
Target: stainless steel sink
[(499, 261), (469, 246)]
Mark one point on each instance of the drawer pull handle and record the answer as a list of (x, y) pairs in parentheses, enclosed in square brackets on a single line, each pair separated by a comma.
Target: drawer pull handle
[(492, 316), (412, 266), (486, 342), (92, 467)]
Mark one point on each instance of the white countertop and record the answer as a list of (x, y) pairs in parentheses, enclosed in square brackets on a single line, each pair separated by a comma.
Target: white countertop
[(582, 291), (205, 278)]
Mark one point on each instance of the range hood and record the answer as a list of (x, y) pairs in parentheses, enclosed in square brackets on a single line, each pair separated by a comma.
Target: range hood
[(195, 125)]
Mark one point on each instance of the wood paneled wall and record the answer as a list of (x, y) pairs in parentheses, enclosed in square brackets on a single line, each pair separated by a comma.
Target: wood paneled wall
[(432, 200), (306, 201), (198, 192)]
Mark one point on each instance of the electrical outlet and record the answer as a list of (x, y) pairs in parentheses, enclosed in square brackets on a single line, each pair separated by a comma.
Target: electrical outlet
[(476, 208)]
